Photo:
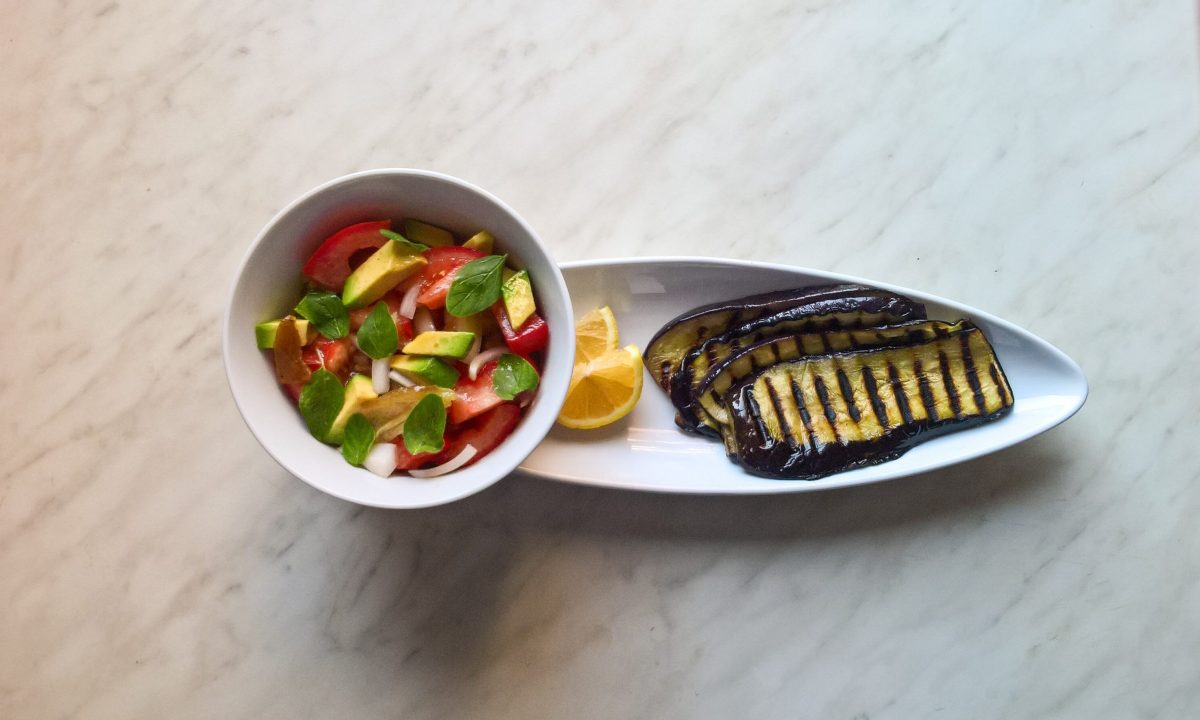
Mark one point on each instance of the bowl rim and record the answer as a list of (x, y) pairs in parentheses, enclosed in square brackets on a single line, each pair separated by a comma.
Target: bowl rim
[(231, 297)]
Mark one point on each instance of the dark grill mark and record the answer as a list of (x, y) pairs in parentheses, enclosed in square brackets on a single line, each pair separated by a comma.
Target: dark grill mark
[(898, 391), (948, 381), (805, 419), (972, 377), (784, 426), (775, 351), (873, 393), (995, 373), (848, 395), (830, 414), (924, 391), (756, 417), (665, 375)]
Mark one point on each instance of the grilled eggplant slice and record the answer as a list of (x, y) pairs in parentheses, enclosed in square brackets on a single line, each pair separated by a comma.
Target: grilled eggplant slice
[(666, 349), (709, 397), (837, 307), (814, 416)]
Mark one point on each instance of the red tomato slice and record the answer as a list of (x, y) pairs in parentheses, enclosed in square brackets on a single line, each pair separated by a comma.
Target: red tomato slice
[(484, 433), (333, 355), (532, 337), (444, 262), (406, 460), (329, 266), (404, 329), (474, 397)]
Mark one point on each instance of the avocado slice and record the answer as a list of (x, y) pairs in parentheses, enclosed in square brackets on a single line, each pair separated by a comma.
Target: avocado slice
[(264, 333), (426, 370), (440, 343), (430, 235), (518, 298), (358, 391), (481, 241), (389, 411), (386, 267)]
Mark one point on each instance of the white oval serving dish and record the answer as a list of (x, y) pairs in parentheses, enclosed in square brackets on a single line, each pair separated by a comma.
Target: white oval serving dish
[(646, 451)]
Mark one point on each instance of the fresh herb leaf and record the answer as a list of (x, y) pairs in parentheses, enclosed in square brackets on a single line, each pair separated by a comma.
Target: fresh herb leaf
[(360, 437), (377, 337), (326, 311), (513, 376), (415, 247), (425, 426), (476, 286), (320, 402)]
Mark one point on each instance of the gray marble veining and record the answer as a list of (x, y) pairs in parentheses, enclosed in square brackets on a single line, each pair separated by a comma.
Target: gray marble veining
[(1039, 160)]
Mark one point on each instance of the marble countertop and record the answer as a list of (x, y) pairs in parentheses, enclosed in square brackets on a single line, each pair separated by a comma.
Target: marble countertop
[(1037, 160)]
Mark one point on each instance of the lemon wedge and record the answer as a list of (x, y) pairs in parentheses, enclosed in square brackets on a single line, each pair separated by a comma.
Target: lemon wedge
[(606, 381), (595, 334)]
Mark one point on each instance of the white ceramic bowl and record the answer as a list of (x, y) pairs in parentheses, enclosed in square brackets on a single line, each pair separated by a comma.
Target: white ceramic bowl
[(268, 284)]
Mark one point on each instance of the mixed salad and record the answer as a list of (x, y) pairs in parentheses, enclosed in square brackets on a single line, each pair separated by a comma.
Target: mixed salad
[(411, 351)]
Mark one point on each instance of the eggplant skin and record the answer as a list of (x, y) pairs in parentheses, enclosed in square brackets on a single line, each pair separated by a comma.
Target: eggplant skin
[(667, 348), (816, 416), (834, 307), (708, 401)]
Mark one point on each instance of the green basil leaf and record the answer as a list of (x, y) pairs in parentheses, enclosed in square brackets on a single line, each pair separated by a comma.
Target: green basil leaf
[(476, 286), (425, 426), (320, 402), (326, 311), (377, 337), (415, 247), (513, 376), (360, 437)]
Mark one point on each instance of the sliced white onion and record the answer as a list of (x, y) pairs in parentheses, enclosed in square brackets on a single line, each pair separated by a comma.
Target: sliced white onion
[(422, 320), (459, 460), (484, 358), (382, 459), (408, 304), (399, 379), (379, 376)]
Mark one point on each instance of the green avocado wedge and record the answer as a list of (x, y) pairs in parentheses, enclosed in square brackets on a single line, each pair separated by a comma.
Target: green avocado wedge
[(264, 333), (517, 292), (358, 391), (383, 271), (441, 344), (427, 234), (426, 370)]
